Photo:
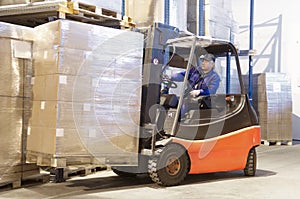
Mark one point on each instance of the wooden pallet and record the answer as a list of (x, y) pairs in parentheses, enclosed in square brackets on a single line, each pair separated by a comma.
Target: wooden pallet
[(62, 174), (38, 13), (277, 142), (64, 167), (127, 23), (82, 170), (22, 174), (93, 11), (50, 160)]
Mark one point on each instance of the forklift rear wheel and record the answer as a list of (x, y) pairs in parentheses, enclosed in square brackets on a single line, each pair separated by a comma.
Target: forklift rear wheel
[(250, 168), (169, 166)]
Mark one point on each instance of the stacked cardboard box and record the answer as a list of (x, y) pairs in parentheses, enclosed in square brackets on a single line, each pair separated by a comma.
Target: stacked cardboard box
[(146, 12), (86, 91), (234, 79), (272, 100), (15, 92), (219, 21)]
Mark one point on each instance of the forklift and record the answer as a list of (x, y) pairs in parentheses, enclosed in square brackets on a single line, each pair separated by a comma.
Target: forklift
[(219, 135)]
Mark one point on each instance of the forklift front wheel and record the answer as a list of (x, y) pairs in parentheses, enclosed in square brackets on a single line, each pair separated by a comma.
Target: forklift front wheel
[(169, 166), (250, 168)]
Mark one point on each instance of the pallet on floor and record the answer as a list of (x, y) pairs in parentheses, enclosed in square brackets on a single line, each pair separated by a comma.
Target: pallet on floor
[(50, 160), (62, 174), (20, 175), (277, 142), (63, 167), (82, 170)]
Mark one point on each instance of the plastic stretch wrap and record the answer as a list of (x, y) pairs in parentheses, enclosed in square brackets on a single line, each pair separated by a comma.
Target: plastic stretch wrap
[(11, 134), (75, 35), (86, 91), (15, 75), (219, 20), (15, 92), (11, 130), (12, 31), (146, 12)]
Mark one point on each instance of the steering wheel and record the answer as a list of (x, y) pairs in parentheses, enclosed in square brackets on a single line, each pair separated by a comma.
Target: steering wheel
[(169, 83)]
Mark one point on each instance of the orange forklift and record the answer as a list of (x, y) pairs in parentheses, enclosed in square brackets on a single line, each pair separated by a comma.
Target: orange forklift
[(220, 134)]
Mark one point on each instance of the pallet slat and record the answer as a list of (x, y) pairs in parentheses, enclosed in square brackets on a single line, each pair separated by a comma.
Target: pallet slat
[(277, 142)]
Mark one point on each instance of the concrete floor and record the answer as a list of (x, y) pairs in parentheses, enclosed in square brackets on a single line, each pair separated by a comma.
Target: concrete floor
[(278, 176)]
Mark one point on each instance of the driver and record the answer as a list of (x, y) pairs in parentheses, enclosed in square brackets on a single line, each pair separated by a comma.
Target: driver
[(201, 80)]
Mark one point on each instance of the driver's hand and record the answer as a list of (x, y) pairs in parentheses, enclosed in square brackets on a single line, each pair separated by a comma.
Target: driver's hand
[(165, 76), (195, 93)]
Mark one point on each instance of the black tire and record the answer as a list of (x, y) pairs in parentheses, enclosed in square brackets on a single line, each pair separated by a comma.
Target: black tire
[(250, 168), (123, 173), (169, 166)]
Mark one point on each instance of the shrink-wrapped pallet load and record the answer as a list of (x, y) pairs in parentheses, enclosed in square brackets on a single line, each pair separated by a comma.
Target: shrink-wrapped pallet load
[(217, 19), (146, 12), (15, 93), (86, 93), (272, 100)]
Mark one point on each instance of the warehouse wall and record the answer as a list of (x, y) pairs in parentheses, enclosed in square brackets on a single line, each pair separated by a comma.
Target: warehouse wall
[(276, 39)]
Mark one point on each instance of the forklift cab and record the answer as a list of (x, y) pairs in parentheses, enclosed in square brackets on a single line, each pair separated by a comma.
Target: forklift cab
[(219, 111)]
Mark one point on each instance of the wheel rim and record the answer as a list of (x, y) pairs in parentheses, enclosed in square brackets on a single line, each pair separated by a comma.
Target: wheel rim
[(173, 165)]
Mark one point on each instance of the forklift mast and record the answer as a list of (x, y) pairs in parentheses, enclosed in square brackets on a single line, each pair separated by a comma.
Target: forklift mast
[(153, 63)]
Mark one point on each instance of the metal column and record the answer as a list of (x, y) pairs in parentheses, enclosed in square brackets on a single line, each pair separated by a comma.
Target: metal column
[(123, 7), (167, 12), (201, 25), (251, 49), (228, 75)]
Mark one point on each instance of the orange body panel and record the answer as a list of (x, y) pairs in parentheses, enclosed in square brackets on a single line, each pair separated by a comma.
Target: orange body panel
[(224, 153)]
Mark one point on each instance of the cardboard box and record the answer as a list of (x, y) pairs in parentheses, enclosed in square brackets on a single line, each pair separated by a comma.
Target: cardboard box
[(12, 128), (64, 88), (16, 72)]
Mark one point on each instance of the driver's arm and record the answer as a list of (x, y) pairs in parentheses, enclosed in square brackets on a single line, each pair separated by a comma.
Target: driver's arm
[(178, 77)]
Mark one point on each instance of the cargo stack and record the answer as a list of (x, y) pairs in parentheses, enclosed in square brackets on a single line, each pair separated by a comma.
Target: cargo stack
[(272, 100), (219, 20), (86, 93), (234, 80), (15, 93), (145, 13)]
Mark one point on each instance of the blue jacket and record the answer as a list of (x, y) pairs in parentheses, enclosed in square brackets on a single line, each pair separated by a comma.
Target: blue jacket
[(208, 83)]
